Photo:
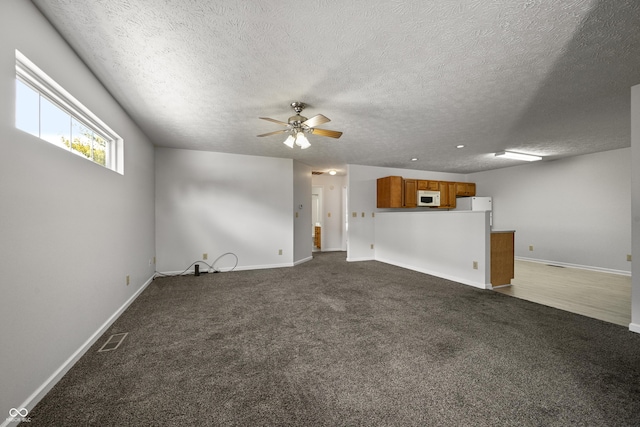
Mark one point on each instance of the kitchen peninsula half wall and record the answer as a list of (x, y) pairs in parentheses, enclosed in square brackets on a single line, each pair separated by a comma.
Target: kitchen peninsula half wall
[(454, 245)]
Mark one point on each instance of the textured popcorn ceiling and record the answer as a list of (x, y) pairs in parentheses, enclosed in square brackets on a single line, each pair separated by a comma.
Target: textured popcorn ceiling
[(400, 78)]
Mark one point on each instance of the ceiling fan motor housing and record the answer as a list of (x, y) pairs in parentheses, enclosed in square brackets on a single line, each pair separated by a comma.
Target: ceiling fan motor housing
[(296, 121)]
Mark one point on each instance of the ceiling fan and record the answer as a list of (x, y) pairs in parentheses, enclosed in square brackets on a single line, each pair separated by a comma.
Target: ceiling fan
[(298, 125)]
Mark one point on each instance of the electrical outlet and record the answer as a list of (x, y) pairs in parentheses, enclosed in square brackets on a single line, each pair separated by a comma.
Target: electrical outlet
[(328, 214), (530, 248), (205, 256), (279, 251), (372, 246), (296, 214), (628, 257), (128, 280), (475, 265)]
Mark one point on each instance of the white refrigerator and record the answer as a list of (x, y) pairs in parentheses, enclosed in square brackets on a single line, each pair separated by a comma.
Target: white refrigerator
[(475, 204)]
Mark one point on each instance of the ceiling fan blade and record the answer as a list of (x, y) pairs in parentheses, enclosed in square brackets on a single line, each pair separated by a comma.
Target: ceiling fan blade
[(316, 120), (274, 133), (274, 121), (326, 132)]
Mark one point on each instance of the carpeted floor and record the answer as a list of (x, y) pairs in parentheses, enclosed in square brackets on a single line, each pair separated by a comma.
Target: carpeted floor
[(332, 343)]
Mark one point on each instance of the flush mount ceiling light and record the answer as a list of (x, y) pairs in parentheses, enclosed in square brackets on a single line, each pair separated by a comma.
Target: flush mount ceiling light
[(298, 125), (518, 156), (332, 172)]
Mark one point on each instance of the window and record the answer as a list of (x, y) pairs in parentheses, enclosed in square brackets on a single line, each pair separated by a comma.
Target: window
[(45, 110)]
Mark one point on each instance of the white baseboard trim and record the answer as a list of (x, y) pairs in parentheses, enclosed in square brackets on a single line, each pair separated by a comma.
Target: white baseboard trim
[(41, 391), (634, 327), (303, 260), (582, 267), (360, 259), (225, 270), (437, 274)]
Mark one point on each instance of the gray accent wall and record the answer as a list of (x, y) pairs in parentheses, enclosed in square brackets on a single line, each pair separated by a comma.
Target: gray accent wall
[(573, 211), (216, 203), (70, 230)]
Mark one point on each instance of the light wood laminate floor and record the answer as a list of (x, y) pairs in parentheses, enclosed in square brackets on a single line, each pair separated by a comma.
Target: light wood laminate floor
[(599, 295)]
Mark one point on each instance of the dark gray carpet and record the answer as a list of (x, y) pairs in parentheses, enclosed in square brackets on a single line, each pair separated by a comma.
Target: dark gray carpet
[(348, 344)]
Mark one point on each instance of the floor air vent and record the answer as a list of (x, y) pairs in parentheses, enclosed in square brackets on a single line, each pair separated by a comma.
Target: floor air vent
[(113, 342)]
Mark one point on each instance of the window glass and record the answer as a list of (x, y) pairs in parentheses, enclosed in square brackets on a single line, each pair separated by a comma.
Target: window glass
[(27, 109), (81, 137), (101, 153), (55, 124)]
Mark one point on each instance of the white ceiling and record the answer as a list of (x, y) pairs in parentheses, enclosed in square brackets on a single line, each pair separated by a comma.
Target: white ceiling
[(400, 78)]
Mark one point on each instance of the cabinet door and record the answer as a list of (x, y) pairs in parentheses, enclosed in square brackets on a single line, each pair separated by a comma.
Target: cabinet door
[(502, 258), (410, 193), (471, 188), (390, 191), (465, 189), (428, 185), (447, 195)]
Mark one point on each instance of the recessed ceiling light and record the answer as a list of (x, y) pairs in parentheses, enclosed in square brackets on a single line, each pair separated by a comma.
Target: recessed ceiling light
[(332, 172), (460, 146), (518, 156)]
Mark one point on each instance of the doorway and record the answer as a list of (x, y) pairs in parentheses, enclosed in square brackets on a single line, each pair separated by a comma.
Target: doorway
[(316, 218)]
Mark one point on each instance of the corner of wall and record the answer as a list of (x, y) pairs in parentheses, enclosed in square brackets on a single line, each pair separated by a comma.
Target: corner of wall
[(635, 209)]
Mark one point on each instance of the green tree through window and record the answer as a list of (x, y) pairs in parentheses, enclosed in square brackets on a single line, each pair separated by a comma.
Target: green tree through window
[(87, 142), (96, 151)]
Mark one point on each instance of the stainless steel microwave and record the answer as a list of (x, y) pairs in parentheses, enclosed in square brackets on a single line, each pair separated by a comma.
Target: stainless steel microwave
[(428, 198)]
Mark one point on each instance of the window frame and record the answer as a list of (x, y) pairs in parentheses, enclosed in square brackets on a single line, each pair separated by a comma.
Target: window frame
[(33, 77)]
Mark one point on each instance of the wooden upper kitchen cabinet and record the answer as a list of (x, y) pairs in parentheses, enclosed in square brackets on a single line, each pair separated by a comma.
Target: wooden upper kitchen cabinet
[(428, 185), (390, 192), (465, 189), (398, 192), (447, 195), (410, 193)]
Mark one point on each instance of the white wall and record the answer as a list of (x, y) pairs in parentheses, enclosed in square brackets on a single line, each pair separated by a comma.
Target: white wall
[(303, 244), (332, 210), (362, 202), (635, 200), (71, 230), (440, 243), (216, 203), (574, 211)]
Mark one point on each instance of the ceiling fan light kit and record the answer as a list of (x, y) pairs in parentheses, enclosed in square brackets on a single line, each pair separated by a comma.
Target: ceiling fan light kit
[(302, 141), (518, 156), (289, 141), (298, 125)]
